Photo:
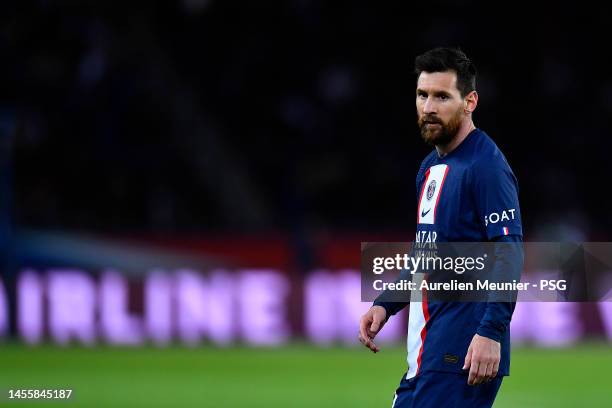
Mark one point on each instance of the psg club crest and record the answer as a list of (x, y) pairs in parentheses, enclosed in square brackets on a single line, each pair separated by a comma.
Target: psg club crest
[(431, 189)]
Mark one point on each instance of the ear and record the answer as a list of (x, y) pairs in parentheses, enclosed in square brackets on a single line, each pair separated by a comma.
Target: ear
[(470, 102)]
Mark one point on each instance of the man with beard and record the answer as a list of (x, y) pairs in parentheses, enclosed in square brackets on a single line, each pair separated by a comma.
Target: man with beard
[(458, 352)]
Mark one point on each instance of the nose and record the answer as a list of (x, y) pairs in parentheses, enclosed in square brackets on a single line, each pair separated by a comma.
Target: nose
[(429, 106)]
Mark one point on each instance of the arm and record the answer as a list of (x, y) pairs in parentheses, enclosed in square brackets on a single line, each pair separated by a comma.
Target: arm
[(484, 353), (384, 299), (508, 262), (382, 308), (495, 190)]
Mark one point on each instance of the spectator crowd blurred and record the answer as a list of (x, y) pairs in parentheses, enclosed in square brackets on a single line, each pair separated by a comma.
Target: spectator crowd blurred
[(225, 116)]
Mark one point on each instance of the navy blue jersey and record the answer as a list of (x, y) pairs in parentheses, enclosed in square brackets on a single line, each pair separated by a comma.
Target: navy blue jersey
[(470, 194)]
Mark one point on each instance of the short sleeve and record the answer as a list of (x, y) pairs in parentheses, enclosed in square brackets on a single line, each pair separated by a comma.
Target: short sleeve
[(496, 195)]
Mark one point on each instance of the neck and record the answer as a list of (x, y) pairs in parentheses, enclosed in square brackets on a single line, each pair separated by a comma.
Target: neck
[(465, 129)]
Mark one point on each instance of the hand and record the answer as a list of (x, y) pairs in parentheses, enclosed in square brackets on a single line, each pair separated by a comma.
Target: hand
[(369, 326), (482, 359)]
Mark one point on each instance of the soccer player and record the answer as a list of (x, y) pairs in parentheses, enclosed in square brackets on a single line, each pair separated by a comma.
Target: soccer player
[(458, 352)]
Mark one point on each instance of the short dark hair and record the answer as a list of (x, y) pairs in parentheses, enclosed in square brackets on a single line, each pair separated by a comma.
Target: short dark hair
[(444, 59)]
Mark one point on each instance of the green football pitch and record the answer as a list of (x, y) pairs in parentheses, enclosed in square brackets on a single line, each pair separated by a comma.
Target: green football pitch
[(291, 376)]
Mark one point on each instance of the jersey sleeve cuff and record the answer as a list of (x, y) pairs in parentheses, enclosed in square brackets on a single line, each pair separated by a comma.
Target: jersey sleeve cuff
[(490, 332), (388, 308)]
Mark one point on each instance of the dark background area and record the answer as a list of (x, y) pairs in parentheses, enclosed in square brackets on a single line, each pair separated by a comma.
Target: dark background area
[(288, 116)]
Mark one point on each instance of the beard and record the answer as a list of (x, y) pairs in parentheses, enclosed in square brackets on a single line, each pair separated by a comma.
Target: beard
[(444, 133)]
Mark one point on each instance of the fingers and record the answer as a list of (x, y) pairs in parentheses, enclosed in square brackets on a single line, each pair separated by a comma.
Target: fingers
[(489, 372), (375, 326), (363, 324), (474, 365), (484, 372), (369, 344), (468, 358), (482, 359), (378, 315), (364, 336), (495, 368), (479, 374)]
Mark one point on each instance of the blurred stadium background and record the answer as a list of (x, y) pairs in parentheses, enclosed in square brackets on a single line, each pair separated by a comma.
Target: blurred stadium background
[(184, 186)]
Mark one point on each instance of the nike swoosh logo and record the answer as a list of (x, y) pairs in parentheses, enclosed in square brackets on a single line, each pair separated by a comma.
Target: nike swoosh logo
[(424, 213)]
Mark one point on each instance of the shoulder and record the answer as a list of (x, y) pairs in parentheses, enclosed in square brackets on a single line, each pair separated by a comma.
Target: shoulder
[(486, 155), (489, 166)]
